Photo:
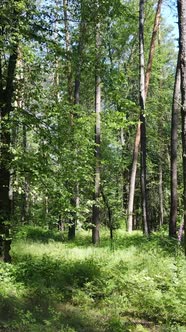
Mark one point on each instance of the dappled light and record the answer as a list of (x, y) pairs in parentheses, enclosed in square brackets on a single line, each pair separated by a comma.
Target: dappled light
[(92, 166), (137, 283)]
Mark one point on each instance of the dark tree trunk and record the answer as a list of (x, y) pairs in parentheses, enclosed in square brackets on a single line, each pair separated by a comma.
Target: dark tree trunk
[(174, 144), (182, 47), (6, 96)]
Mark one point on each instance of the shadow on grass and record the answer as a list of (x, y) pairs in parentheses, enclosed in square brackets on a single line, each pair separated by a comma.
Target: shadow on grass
[(39, 312), (49, 286), (33, 315), (57, 275), (39, 234)]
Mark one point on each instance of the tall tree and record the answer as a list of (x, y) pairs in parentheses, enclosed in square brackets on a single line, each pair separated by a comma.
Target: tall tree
[(139, 127), (182, 48), (97, 180), (142, 118), (6, 98), (174, 146)]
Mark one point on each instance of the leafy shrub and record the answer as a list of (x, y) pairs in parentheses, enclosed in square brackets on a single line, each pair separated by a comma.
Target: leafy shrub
[(37, 233)]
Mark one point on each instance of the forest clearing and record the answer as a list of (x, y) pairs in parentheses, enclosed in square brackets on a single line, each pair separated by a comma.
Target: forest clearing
[(130, 284), (93, 166)]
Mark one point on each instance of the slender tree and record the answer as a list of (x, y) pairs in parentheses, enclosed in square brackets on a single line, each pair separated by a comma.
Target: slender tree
[(68, 55), (174, 145), (182, 47), (72, 221), (97, 180), (138, 131), (142, 118), (161, 214)]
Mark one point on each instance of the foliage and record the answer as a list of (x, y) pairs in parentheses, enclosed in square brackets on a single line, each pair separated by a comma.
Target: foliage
[(129, 283), (135, 285), (52, 148)]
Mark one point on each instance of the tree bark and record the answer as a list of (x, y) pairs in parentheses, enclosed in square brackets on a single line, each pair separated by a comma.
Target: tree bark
[(68, 63), (26, 187), (74, 101), (109, 209), (6, 97), (161, 214), (152, 46), (133, 179), (138, 132), (182, 47), (142, 118), (72, 219), (174, 144)]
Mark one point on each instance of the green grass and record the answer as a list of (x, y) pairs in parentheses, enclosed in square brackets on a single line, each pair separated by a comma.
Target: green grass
[(134, 284)]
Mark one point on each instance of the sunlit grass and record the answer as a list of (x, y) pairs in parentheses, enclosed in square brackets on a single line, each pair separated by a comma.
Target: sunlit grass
[(56, 285)]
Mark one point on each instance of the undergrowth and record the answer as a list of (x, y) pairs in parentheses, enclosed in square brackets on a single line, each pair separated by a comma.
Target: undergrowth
[(132, 284)]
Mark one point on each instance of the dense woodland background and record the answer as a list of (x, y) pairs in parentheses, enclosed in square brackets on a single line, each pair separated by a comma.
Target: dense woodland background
[(56, 168), (92, 138)]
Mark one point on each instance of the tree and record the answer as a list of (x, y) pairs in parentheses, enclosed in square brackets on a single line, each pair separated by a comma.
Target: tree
[(7, 77), (142, 118), (16, 20), (182, 48), (141, 131), (97, 188), (174, 146)]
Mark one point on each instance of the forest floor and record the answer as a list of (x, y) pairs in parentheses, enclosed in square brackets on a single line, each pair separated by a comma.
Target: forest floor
[(133, 284)]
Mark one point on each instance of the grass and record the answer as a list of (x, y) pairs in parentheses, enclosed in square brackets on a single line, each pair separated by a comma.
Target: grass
[(134, 284)]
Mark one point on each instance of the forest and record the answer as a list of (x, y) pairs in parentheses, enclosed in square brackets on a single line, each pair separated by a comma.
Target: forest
[(92, 166)]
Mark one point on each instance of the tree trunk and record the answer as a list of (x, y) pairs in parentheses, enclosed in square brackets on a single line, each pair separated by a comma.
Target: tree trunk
[(142, 118), (133, 179), (152, 45), (6, 97), (182, 47), (26, 187), (72, 221), (68, 62), (174, 144), (161, 195), (137, 138), (75, 200), (109, 209), (96, 208)]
